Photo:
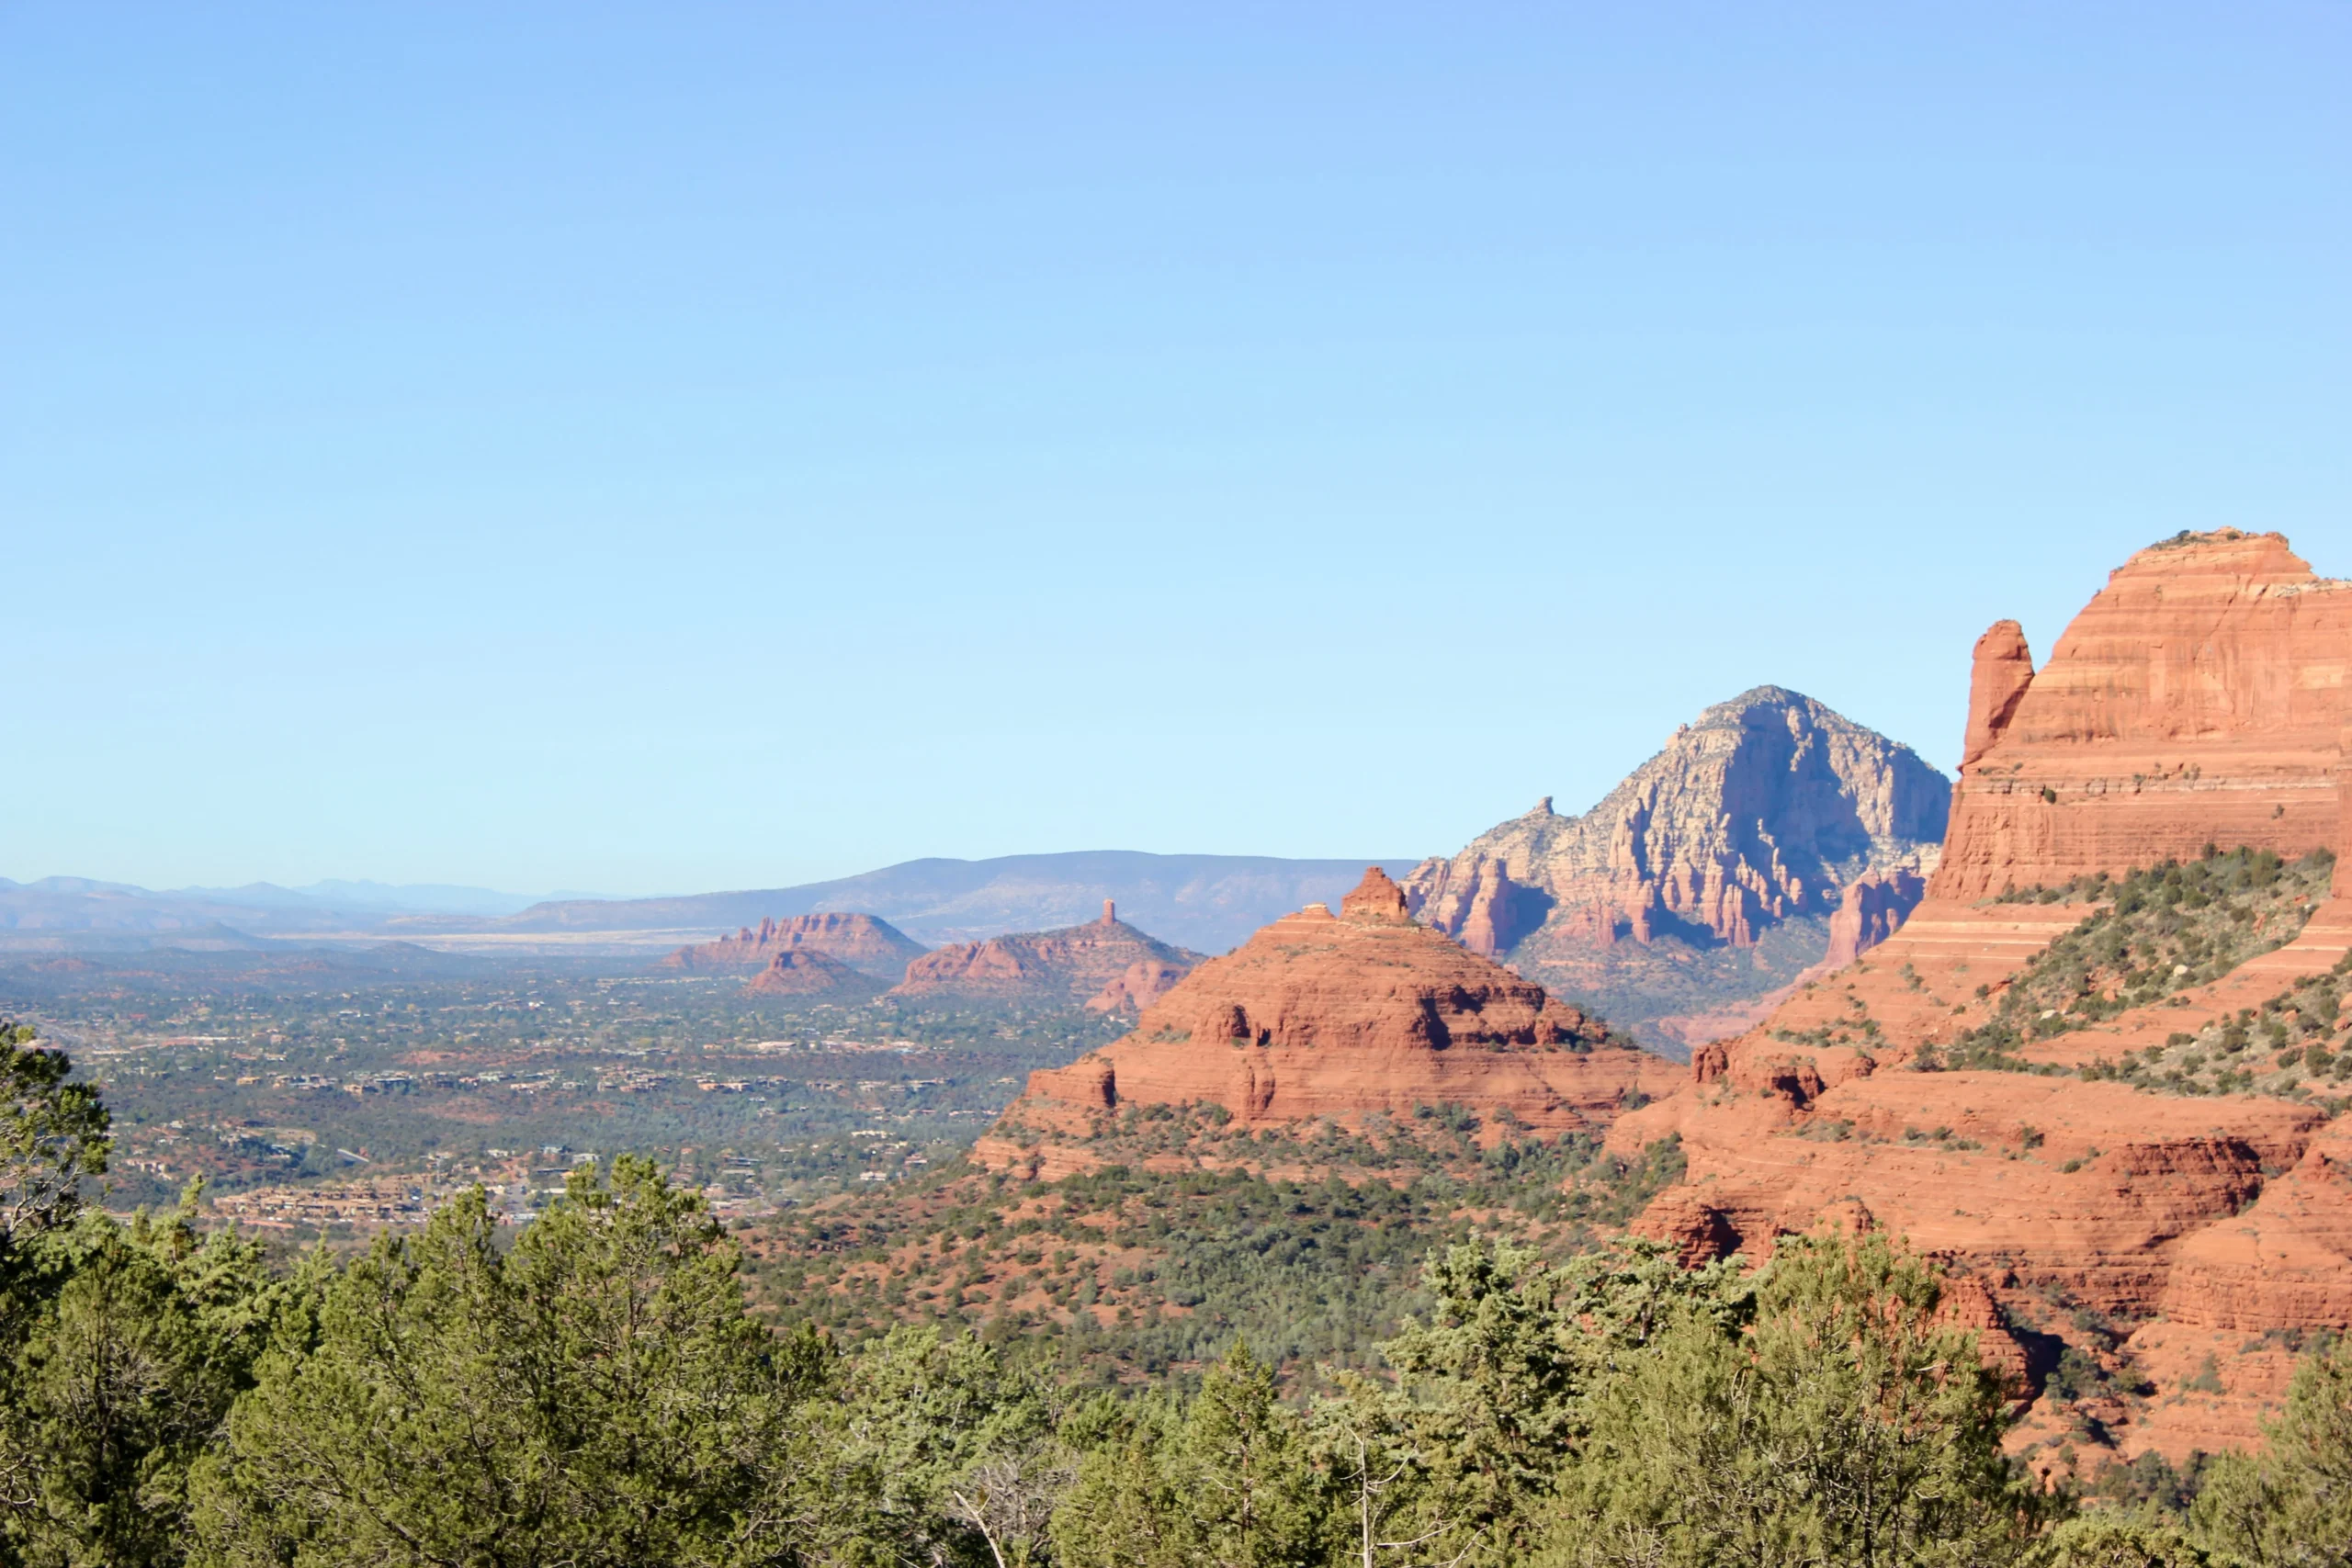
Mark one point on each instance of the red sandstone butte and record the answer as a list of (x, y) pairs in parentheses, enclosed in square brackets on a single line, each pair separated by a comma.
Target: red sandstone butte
[(869, 945), (2197, 699), (807, 972), (1108, 965), (1341, 1017)]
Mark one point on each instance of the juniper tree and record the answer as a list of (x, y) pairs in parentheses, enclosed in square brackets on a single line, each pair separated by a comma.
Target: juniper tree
[(931, 1450), (126, 1368), (599, 1396), (1218, 1481), (2290, 1506), (52, 1136), (1844, 1425)]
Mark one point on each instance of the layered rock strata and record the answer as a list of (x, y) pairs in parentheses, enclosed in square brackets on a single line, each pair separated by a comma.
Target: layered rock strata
[(1345, 1017), (871, 946), (1702, 888), (1766, 808), (1107, 966), (2197, 700)]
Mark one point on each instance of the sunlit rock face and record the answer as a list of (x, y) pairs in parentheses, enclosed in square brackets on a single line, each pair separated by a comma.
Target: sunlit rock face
[(1343, 1016)]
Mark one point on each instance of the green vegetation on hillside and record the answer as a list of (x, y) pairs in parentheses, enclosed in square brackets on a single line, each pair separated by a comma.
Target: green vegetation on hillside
[(2292, 1045), (2162, 930), (1308, 1246)]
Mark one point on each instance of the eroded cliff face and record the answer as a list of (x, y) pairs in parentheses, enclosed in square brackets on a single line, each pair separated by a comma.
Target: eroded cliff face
[(1705, 885), (1107, 966), (1765, 808), (1341, 1016), (1871, 909), (2196, 700), (871, 946), (2199, 699)]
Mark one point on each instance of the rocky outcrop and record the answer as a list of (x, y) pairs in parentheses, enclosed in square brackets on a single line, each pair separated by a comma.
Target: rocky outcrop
[(1705, 885), (1763, 809), (1141, 984), (2001, 669), (2200, 698), (1871, 909), (2197, 700), (866, 944), (2285, 1262), (805, 972), (1106, 964), (2089, 1187), (1345, 1017)]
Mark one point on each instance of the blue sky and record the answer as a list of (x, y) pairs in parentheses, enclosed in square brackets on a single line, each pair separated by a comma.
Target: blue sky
[(652, 449)]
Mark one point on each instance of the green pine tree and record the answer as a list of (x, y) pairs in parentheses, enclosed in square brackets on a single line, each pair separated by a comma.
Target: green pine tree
[(1844, 1425), (138, 1339), (1220, 1480), (597, 1397), (2290, 1506)]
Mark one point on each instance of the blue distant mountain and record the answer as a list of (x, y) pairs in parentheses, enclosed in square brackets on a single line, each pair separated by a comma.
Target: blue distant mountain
[(411, 898), (66, 911), (1209, 903)]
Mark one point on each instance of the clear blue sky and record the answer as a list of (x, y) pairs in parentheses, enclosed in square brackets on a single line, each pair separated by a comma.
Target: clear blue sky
[(663, 448)]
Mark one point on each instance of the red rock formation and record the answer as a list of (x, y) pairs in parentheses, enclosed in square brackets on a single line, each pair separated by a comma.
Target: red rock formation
[(2285, 1262), (869, 945), (1143, 983), (1871, 909), (1376, 900), (1652, 907), (1106, 966), (1500, 910), (807, 972), (1341, 1016), (1762, 809), (2198, 698), (2148, 1171), (2002, 671)]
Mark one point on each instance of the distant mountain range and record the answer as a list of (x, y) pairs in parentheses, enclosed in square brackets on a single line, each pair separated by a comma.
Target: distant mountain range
[(59, 913), (410, 897), (1209, 903), (1707, 881)]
